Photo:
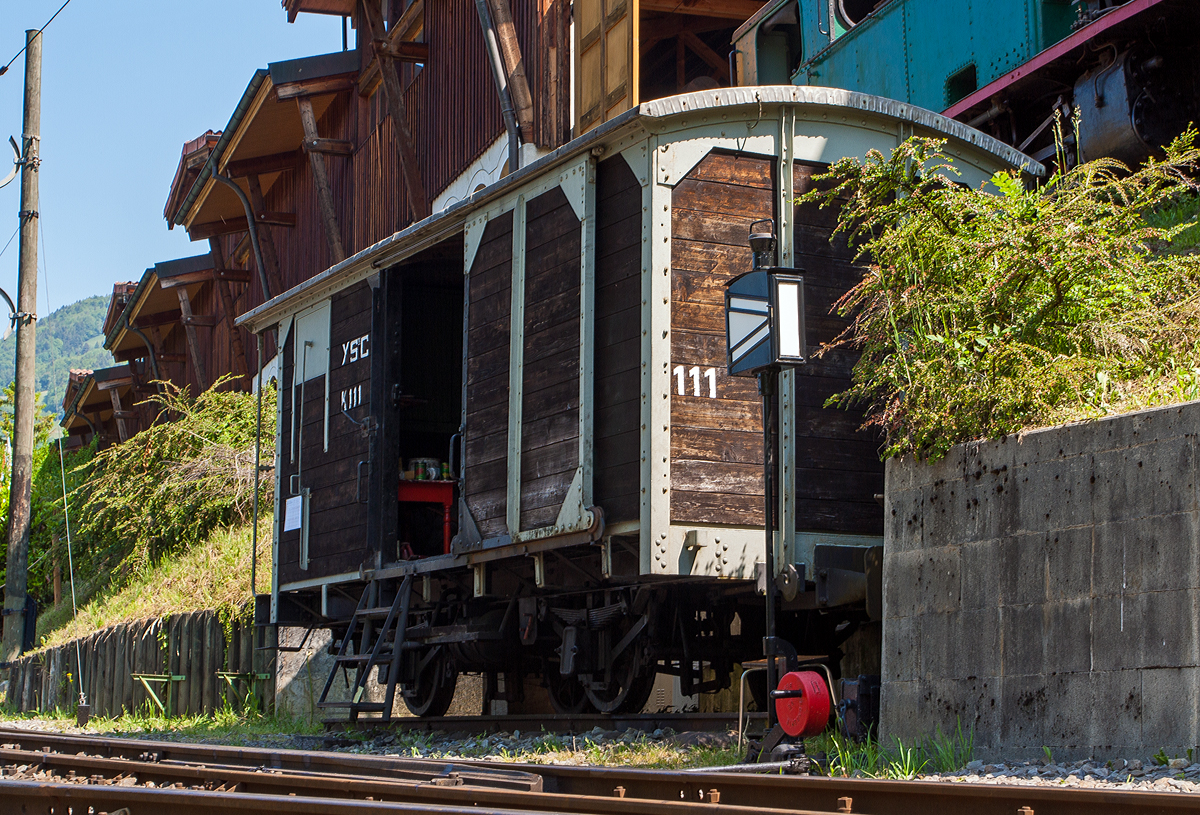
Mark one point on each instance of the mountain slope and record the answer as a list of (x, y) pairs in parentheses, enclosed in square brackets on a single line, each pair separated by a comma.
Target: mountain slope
[(69, 338)]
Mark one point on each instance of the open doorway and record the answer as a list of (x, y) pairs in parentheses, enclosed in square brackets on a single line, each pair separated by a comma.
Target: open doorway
[(422, 384)]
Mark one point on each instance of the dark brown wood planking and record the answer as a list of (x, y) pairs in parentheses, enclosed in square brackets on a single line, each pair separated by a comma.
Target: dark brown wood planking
[(617, 388), (716, 473), (550, 367), (485, 436)]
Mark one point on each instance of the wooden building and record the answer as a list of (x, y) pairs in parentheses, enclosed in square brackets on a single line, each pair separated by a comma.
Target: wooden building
[(327, 155), (100, 405)]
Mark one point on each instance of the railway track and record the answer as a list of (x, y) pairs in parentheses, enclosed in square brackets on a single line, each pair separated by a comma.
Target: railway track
[(554, 723), (58, 774)]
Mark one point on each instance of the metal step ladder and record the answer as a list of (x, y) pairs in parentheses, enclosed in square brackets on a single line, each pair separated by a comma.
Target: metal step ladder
[(373, 649)]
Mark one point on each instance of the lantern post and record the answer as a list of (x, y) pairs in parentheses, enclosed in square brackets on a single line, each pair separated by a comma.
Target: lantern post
[(765, 333)]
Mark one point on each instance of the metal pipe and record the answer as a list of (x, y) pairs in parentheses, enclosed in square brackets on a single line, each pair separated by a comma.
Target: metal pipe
[(84, 416), (498, 73), (149, 347), (766, 383), (257, 470), (251, 227), (991, 113)]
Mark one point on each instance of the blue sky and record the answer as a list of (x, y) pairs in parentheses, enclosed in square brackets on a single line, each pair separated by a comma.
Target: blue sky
[(124, 85)]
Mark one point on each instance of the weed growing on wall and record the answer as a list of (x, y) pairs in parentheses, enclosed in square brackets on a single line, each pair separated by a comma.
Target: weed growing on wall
[(982, 314)]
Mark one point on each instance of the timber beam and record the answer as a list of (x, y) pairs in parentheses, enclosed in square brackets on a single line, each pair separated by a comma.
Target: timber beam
[(236, 349), (740, 10), (316, 87), (112, 384), (199, 320), (405, 145), (193, 341), (118, 411), (153, 320), (273, 163), (265, 241), (230, 226), (321, 181), (702, 50), (417, 52), (206, 276), (514, 66), (333, 147)]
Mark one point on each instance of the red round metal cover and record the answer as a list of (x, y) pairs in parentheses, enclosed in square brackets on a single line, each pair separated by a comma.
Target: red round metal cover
[(808, 714)]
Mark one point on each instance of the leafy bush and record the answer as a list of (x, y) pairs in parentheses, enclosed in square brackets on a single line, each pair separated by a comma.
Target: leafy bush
[(983, 314), (172, 484)]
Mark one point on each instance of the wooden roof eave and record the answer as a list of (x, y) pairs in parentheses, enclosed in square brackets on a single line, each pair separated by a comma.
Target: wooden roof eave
[(252, 100), (265, 128)]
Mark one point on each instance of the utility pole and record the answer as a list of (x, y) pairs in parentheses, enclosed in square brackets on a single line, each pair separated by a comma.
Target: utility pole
[(16, 578)]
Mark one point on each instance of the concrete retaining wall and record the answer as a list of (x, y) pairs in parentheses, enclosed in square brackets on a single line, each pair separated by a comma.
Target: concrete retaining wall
[(1044, 589)]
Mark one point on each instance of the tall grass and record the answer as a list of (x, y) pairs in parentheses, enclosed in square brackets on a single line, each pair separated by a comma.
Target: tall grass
[(938, 753), (214, 574)]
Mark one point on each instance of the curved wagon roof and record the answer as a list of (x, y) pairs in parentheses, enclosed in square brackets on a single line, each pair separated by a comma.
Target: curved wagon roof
[(826, 124)]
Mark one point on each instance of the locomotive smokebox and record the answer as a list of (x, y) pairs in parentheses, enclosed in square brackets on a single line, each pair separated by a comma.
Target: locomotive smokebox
[(1129, 109)]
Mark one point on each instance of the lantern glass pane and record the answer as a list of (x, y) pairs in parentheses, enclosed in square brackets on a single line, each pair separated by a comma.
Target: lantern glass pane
[(787, 302)]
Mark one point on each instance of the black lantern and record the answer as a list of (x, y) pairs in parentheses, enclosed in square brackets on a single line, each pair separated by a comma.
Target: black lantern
[(764, 312)]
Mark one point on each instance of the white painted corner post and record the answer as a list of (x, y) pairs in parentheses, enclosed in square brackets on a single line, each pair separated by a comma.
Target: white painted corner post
[(656, 366), (516, 370), (788, 381)]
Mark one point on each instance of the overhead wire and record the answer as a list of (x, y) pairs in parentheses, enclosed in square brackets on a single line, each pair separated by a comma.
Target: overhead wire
[(4, 69), (62, 468)]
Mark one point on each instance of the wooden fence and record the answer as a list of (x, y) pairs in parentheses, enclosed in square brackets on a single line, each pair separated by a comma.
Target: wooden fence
[(194, 646)]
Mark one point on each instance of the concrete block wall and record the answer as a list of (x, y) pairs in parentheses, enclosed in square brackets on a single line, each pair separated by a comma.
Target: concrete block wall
[(1045, 590)]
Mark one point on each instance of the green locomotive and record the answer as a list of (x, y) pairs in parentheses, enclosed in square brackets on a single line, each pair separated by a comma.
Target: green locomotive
[(1118, 76)]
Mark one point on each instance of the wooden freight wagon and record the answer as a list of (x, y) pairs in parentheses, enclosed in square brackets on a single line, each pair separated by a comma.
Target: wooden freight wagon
[(557, 341)]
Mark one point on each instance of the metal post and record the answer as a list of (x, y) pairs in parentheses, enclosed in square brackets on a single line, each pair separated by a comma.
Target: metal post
[(16, 578), (257, 472), (766, 385)]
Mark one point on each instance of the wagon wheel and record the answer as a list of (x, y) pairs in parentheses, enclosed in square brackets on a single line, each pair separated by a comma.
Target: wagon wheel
[(626, 683), (567, 695), (433, 691)]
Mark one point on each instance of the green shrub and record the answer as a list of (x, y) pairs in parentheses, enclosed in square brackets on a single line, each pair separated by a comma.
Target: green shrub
[(982, 314), (170, 485)]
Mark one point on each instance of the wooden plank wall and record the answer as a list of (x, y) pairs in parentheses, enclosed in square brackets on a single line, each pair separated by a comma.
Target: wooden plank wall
[(716, 471), (550, 374), (337, 540), (838, 471), (485, 437), (194, 645), (618, 348)]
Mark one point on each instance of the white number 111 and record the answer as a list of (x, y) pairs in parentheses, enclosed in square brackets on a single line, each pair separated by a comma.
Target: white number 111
[(694, 372)]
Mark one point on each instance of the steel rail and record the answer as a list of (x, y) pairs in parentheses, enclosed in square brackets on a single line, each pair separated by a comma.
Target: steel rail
[(328, 786), (550, 722), (792, 793)]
